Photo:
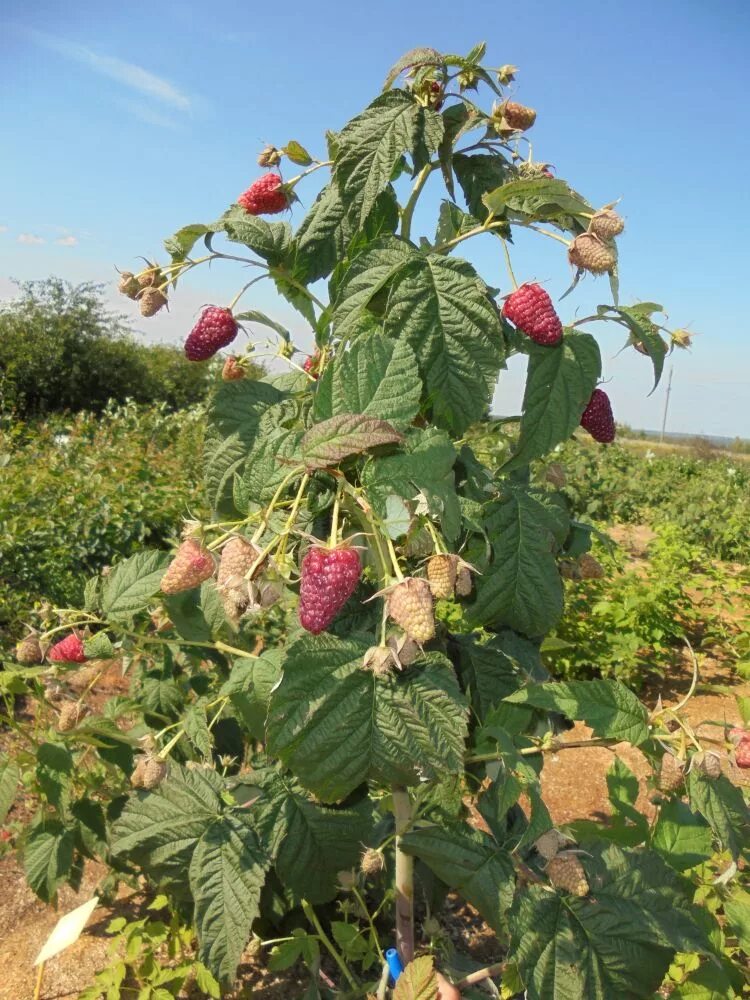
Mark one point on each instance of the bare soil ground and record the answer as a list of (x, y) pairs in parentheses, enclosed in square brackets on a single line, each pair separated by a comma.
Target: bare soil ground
[(573, 784)]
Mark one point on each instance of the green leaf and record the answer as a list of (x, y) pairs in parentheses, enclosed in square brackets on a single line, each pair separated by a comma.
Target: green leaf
[(133, 583), (182, 242), (617, 942), (54, 767), (92, 827), (297, 154), (423, 466), (420, 56), (234, 414), (197, 731), (681, 837), (99, 647), (197, 614), (442, 308), (737, 912), (270, 240), (559, 384), (249, 688), (541, 200), (493, 670), (453, 222), (470, 862), (206, 982), (477, 174), (722, 804), (370, 146), (377, 377), (309, 843), (418, 980), (254, 316), (227, 872), (161, 828), (10, 775), (521, 589), (611, 709), (643, 330), (456, 120), (333, 440), (273, 457), (335, 725), (48, 858), (322, 238)]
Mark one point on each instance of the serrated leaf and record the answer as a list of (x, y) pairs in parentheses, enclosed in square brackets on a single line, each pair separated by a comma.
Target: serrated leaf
[(521, 589), (453, 222), (272, 458), (297, 153), (493, 670), (255, 316), (333, 440), (541, 200), (470, 862), (197, 614), (10, 775), (310, 844), (636, 319), (420, 56), (133, 583), (456, 120), (197, 731), (611, 709), (335, 724), (442, 308), (559, 384), (418, 980), (47, 858), (227, 872), (370, 146), (721, 803), (617, 942), (737, 912), (161, 828), (270, 240), (249, 686), (681, 837), (478, 174), (180, 244), (91, 594), (99, 647), (377, 377)]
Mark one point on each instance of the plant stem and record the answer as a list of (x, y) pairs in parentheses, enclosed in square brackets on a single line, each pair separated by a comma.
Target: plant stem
[(358, 896), (313, 918), (508, 264), (408, 210), (481, 974), (402, 812), (385, 975)]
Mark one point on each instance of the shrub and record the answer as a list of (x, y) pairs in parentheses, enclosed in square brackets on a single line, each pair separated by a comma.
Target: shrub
[(381, 754)]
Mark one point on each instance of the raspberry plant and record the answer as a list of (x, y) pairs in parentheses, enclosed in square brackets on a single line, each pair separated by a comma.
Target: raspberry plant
[(368, 746)]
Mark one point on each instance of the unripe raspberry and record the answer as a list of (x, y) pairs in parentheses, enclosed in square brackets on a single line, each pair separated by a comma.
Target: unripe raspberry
[(598, 419), (269, 157), (441, 574), (29, 651), (379, 659), (518, 116), (70, 714), (589, 567), (151, 300), (154, 772), (531, 310), (405, 650), (215, 328), (569, 569), (152, 276), (589, 252), (410, 606), (128, 284), (708, 763), (549, 844), (192, 564), (566, 872), (68, 650), (464, 583), (606, 224), (328, 579), (671, 774), (232, 371), (742, 754), (372, 862), (237, 558), (266, 196)]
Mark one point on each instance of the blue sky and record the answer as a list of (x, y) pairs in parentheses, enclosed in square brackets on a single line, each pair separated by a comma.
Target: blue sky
[(123, 122)]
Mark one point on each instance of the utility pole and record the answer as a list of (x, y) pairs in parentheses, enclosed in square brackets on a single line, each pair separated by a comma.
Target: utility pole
[(666, 404)]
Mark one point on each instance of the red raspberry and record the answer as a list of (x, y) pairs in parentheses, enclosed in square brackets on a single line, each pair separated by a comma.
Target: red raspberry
[(312, 365), (215, 329), (742, 754), (266, 196), (530, 309), (68, 650), (597, 418), (329, 578)]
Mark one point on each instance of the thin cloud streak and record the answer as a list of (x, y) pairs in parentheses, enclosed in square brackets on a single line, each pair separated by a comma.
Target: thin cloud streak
[(28, 239), (67, 241), (145, 113), (129, 74)]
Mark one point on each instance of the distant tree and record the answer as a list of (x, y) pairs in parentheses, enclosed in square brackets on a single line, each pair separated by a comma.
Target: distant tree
[(63, 349)]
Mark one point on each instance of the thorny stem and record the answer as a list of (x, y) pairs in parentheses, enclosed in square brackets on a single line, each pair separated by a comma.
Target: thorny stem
[(313, 918), (402, 812)]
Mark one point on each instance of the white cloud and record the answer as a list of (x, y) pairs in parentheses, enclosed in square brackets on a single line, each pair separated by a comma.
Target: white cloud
[(3, 229), (29, 239), (129, 74), (142, 111), (67, 241)]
